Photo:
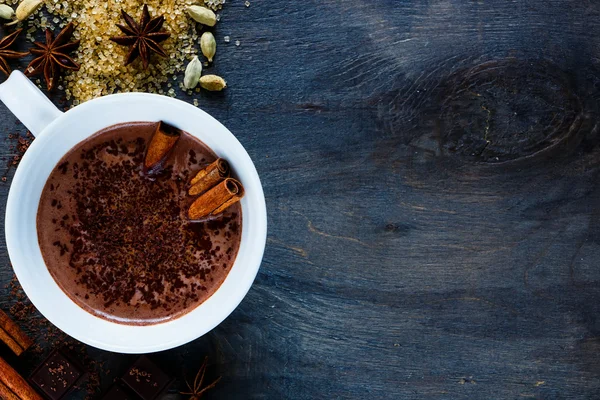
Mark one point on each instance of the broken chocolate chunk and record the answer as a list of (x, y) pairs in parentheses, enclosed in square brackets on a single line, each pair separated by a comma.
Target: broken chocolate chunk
[(146, 379), (56, 375)]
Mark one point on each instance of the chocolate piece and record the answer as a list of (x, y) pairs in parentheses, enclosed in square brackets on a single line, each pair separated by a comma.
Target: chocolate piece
[(117, 393), (56, 376), (146, 379)]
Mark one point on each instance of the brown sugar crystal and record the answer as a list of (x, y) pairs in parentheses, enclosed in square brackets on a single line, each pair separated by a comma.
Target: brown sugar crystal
[(102, 71)]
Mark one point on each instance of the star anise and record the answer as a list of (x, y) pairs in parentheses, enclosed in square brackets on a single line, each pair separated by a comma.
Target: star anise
[(5, 53), (197, 391), (144, 38), (52, 56)]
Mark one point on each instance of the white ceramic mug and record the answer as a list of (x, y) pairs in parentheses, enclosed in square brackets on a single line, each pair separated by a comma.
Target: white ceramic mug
[(56, 133)]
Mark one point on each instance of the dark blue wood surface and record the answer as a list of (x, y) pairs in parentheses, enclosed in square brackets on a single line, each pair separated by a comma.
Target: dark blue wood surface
[(431, 175)]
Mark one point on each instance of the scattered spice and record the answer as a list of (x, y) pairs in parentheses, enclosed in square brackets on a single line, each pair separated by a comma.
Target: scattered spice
[(26, 9), (21, 146), (6, 12), (17, 146), (197, 391), (208, 44), (5, 53), (192, 73), (213, 83), (144, 38), (202, 15), (52, 56)]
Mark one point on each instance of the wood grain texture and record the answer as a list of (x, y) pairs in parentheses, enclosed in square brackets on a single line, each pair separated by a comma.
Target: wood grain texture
[(431, 171)]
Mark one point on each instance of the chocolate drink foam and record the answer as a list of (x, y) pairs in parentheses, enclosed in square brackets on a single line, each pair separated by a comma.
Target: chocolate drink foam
[(117, 240)]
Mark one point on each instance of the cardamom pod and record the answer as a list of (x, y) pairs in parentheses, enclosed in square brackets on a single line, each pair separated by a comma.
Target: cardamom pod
[(192, 73), (213, 83), (202, 15), (208, 44), (6, 12), (25, 10)]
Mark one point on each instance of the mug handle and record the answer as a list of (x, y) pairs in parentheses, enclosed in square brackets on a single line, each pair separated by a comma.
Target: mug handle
[(28, 103)]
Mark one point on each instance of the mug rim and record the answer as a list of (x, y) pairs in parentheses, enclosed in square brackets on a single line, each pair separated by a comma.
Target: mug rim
[(254, 233)]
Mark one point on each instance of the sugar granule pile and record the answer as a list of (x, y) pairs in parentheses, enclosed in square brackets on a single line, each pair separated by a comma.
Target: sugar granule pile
[(102, 71)]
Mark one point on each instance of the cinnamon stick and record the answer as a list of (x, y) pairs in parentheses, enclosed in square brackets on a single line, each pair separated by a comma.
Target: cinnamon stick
[(11, 343), (160, 146), (209, 177), (13, 386), (217, 199), (6, 393), (12, 335)]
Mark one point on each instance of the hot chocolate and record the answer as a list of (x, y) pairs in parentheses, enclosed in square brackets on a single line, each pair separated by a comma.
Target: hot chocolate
[(117, 237)]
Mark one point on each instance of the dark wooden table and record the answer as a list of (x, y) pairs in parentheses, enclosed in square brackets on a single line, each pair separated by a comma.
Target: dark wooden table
[(431, 170)]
